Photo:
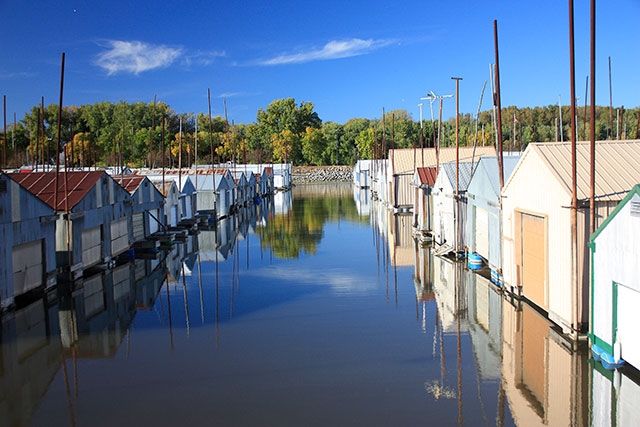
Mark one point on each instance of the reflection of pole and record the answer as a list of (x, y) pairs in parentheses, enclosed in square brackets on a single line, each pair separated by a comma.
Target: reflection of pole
[(459, 345), (186, 301), (67, 387), (169, 313), (217, 286), (200, 288)]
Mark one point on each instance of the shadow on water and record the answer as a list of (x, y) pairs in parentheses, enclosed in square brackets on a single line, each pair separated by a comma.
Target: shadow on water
[(321, 310)]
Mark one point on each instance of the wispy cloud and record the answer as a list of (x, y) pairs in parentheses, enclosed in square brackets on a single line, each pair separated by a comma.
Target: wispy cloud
[(334, 49), (135, 57), (203, 58), (18, 75)]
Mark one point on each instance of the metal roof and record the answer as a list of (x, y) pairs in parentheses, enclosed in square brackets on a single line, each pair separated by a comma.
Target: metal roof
[(617, 166), (489, 166), (464, 173), (131, 182), (402, 159), (427, 175), (43, 186)]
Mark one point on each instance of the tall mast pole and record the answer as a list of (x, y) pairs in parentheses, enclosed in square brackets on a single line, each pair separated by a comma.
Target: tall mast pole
[(498, 104), (153, 130), (55, 196), (610, 95), (592, 101), (576, 306), (4, 141), (457, 198)]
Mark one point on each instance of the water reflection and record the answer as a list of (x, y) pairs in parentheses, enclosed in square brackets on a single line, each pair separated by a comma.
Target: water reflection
[(350, 322)]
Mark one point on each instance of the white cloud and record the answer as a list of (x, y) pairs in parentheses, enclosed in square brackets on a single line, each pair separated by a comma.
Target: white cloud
[(136, 57), (203, 58), (340, 280), (332, 50)]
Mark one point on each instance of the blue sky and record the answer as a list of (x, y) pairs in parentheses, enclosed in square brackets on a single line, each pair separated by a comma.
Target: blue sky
[(350, 59)]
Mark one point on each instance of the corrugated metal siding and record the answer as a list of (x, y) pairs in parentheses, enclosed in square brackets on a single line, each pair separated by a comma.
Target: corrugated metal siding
[(119, 236), (617, 166), (93, 295), (138, 226), (91, 246), (27, 267), (121, 282)]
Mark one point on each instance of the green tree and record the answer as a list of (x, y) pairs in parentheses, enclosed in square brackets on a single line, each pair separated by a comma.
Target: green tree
[(313, 144)]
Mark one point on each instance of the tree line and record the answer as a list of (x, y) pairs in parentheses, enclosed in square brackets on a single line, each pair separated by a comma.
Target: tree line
[(153, 135)]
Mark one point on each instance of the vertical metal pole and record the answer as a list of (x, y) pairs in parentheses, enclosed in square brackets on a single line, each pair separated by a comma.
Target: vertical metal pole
[(153, 130), (586, 94), (438, 147), (592, 101), (55, 195), (457, 200), (576, 279), (4, 141), (610, 93), (457, 79), (44, 137), (498, 104)]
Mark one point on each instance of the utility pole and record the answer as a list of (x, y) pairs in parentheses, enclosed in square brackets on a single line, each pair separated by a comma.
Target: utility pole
[(457, 198), (432, 97)]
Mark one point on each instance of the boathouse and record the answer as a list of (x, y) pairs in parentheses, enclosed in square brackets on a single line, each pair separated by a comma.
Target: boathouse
[(262, 181), (615, 281), (252, 186), (93, 216), (241, 187), (484, 223), (402, 164), (216, 193), (541, 376), (536, 217), (361, 173), (281, 176), (28, 256), (424, 179), (449, 210), (147, 206), (169, 189), (225, 192), (188, 201)]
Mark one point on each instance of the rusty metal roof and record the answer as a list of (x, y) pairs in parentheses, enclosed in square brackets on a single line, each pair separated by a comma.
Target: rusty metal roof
[(131, 182), (617, 166), (44, 186), (427, 175)]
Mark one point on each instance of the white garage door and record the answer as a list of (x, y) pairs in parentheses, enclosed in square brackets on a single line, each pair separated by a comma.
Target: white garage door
[(138, 226), (91, 246), (119, 236), (482, 232), (27, 266)]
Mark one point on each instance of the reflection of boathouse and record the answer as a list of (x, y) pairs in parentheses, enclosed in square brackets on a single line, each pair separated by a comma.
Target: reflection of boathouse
[(544, 379)]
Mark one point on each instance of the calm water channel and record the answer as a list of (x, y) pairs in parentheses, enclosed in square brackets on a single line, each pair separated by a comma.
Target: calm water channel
[(314, 310)]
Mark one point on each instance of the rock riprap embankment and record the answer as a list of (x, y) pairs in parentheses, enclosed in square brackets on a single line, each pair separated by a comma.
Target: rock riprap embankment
[(319, 174)]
